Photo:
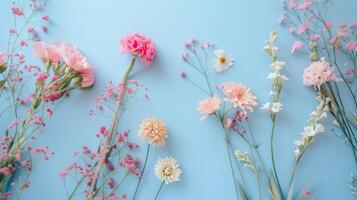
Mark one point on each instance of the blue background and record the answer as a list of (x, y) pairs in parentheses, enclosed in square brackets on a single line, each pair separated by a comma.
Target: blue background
[(238, 27)]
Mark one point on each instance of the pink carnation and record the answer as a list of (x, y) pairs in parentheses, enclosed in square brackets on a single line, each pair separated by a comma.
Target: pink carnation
[(75, 60), (296, 46), (140, 46), (209, 106), (17, 11), (318, 73), (2, 55), (239, 95), (46, 52)]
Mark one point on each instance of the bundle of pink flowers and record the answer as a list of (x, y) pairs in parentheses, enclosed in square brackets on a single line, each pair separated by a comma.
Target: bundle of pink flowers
[(65, 69)]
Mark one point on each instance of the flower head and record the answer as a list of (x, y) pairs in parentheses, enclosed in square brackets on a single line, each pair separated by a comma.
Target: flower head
[(17, 11), (46, 52), (222, 62), (76, 61), (239, 95), (209, 106), (153, 130), (2, 55), (318, 73), (140, 46), (167, 170), (296, 46)]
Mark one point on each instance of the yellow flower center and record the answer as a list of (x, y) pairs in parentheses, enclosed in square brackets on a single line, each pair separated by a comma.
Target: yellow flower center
[(222, 60), (167, 171)]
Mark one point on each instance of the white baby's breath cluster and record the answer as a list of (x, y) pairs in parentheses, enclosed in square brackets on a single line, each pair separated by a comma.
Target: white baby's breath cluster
[(314, 126), (244, 158), (275, 76)]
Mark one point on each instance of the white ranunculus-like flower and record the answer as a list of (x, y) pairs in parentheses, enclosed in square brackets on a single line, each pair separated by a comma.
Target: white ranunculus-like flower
[(266, 107), (167, 170), (222, 62)]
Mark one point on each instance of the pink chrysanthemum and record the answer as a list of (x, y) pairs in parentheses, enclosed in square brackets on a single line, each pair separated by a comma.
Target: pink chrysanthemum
[(46, 52), (209, 106), (318, 73), (140, 46), (239, 95), (75, 60)]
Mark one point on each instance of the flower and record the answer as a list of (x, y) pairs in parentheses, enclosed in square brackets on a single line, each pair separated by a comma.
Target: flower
[(303, 28), (277, 65), (239, 95), (76, 61), (222, 62), (297, 45), (2, 55), (272, 108), (46, 52), (140, 46), (209, 106), (167, 170), (318, 73), (17, 11), (153, 130)]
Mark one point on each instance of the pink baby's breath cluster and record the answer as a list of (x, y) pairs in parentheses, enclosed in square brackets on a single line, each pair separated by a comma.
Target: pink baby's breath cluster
[(139, 46), (318, 73)]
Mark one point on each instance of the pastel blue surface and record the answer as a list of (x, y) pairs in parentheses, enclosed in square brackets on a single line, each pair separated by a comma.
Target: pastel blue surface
[(238, 27)]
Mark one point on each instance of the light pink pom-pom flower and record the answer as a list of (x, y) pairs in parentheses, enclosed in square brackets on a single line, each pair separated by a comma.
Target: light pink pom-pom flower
[(318, 73), (140, 46), (208, 106), (46, 52), (239, 95), (75, 60)]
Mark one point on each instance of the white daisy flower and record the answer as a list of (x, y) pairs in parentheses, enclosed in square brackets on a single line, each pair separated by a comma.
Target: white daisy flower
[(222, 62), (167, 170)]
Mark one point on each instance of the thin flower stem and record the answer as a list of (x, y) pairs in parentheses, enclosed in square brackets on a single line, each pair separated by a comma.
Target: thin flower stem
[(142, 172), (158, 192), (114, 124), (273, 157)]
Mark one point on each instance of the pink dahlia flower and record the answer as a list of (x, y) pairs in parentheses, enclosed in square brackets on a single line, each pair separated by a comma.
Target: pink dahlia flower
[(209, 106), (140, 46), (318, 73), (46, 52), (239, 95), (75, 60)]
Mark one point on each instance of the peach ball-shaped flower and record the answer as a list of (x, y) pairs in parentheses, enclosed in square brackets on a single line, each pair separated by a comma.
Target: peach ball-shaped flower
[(239, 95), (153, 131), (2, 55), (139, 46), (318, 73), (76, 61), (209, 106)]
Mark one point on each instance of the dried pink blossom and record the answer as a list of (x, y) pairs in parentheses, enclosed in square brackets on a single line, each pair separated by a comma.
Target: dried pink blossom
[(297, 45), (17, 11), (140, 46), (303, 28), (318, 73), (239, 95)]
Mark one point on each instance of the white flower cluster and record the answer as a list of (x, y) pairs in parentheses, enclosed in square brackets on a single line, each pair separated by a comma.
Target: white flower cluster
[(314, 127), (275, 76)]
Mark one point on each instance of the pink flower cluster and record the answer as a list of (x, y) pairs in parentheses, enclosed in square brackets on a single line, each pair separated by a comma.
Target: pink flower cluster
[(318, 73), (139, 46)]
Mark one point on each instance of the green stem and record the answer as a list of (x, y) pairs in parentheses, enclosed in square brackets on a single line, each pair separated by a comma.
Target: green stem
[(142, 172), (230, 163), (158, 192), (273, 157)]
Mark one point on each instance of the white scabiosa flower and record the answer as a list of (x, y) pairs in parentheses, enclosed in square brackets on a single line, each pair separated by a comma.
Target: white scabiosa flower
[(222, 62), (167, 170)]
